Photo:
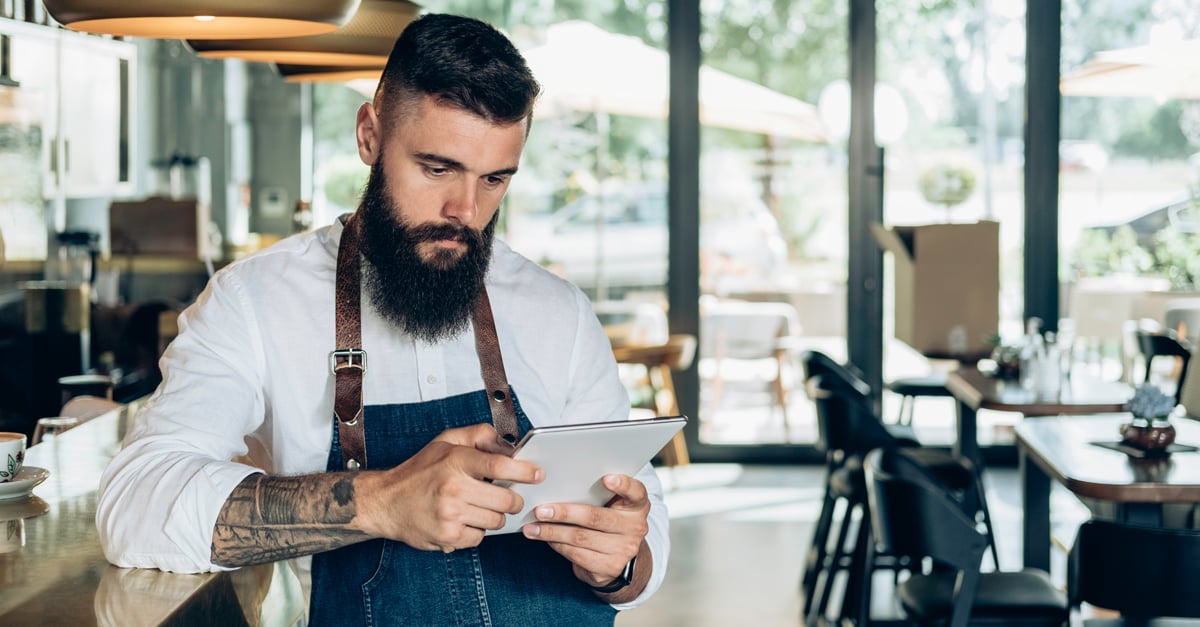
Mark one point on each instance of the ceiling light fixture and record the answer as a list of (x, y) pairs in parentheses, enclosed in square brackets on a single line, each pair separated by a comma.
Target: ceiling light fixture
[(203, 19), (327, 73), (365, 41)]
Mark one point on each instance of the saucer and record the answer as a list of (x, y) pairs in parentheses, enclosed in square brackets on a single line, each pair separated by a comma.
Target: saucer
[(16, 509), (25, 481)]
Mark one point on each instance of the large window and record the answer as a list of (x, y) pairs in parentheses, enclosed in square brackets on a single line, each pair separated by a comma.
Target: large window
[(950, 118), (1130, 173), (773, 214)]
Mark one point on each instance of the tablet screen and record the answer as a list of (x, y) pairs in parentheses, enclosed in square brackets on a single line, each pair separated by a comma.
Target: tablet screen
[(576, 457)]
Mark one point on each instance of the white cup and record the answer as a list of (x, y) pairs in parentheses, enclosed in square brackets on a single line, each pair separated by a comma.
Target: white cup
[(12, 455)]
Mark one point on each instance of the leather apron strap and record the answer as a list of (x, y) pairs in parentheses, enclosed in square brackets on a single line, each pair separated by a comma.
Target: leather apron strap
[(349, 361), (491, 366)]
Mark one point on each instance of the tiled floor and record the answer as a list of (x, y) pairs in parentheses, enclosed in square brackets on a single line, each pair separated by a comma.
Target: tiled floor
[(739, 535)]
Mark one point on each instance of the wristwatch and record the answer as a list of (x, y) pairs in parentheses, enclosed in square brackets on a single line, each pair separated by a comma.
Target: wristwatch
[(625, 579)]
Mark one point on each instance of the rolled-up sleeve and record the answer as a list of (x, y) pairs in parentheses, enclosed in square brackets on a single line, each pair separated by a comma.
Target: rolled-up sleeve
[(160, 496)]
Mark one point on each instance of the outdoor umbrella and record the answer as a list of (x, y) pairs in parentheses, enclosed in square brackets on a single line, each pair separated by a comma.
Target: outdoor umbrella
[(584, 68), (1163, 71)]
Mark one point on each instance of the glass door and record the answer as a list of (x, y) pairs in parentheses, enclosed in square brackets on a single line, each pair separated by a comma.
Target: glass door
[(773, 214)]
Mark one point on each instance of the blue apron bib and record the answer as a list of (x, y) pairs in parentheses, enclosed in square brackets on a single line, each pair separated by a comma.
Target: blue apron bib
[(506, 580)]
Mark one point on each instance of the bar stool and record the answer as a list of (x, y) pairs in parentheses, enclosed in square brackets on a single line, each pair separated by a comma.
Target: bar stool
[(848, 428), (660, 360), (909, 388)]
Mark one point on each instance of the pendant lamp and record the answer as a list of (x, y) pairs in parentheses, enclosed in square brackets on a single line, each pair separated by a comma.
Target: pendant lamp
[(203, 19), (366, 40), (327, 73)]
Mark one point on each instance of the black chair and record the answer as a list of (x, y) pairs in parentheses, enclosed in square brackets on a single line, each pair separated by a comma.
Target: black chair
[(916, 515), (848, 428), (911, 388), (1164, 344), (1141, 572)]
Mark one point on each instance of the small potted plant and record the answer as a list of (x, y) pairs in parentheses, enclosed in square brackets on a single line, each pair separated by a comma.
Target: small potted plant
[(1150, 429)]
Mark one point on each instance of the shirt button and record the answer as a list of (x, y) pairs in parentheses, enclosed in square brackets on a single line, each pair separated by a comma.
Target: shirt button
[(431, 379)]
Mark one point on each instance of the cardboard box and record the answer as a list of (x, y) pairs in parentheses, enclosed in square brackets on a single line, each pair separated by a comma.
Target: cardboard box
[(947, 292), (159, 226)]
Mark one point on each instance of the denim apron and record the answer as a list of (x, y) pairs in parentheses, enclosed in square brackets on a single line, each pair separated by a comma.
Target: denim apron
[(506, 580)]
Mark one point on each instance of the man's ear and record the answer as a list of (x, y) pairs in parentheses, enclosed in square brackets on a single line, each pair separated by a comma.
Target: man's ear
[(369, 134)]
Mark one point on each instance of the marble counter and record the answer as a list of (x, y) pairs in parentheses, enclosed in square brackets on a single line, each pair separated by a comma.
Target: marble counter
[(52, 571)]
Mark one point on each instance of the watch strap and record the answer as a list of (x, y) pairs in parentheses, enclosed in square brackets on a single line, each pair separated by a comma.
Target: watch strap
[(620, 582)]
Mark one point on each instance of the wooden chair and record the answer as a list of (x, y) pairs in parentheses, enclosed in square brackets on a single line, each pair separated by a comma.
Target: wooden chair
[(660, 360), (1141, 572)]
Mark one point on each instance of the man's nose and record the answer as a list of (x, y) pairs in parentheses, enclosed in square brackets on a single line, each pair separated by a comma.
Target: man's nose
[(463, 203)]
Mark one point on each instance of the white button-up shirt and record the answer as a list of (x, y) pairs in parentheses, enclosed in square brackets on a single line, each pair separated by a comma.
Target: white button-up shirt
[(248, 375)]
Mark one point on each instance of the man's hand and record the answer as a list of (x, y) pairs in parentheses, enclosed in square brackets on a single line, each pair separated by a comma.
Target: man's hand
[(600, 541), (442, 498), (438, 499)]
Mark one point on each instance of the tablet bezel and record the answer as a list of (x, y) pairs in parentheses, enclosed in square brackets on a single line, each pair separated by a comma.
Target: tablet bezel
[(574, 476)]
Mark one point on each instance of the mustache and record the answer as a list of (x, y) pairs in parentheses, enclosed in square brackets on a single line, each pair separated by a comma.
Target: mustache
[(430, 232)]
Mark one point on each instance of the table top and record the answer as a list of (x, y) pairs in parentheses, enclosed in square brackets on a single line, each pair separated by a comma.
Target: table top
[(1063, 447), (53, 572), (1080, 395)]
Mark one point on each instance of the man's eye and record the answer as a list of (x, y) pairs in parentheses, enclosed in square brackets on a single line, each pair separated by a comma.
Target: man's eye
[(436, 170)]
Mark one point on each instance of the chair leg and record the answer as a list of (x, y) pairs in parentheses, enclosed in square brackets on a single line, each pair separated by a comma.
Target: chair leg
[(817, 609), (818, 551), (675, 453), (987, 518), (856, 601), (906, 410), (781, 394), (863, 616)]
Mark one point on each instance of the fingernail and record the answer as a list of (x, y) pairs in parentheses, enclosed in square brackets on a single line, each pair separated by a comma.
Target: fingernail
[(612, 481), (545, 512), (533, 531), (538, 475)]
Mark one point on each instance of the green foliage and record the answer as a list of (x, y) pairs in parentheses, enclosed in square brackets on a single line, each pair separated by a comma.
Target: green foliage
[(1160, 137), (1098, 254), (1175, 255), (334, 107), (947, 185), (345, 181)]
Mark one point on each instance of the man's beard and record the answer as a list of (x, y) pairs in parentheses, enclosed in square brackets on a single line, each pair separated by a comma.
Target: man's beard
[(429, 299)]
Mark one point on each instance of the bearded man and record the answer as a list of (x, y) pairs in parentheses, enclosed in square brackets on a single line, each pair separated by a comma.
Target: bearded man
[(382, 469)]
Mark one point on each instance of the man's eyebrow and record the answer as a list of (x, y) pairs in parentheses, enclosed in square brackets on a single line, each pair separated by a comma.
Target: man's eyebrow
[(457, 165)]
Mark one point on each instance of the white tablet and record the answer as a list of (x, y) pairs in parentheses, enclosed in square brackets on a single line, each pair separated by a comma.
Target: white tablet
[(576, 458)]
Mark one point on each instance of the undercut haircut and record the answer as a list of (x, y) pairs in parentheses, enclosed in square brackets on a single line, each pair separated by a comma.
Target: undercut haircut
[(461, 62)]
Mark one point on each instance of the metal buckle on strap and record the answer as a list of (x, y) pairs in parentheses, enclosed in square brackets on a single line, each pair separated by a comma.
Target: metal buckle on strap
[(349, 355)]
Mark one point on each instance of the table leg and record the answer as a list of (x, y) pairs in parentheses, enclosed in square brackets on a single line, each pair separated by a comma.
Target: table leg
[(1035, 498), (967, 443), (1143, 514)]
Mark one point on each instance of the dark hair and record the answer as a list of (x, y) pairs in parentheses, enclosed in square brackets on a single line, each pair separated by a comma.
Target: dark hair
[(462, 62)]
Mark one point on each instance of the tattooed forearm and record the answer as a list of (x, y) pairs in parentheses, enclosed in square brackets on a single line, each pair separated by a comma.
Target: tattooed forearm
[(273, 518)]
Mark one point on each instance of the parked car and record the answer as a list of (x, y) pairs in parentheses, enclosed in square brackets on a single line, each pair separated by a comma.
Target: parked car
[(626, 232), (1182, 215)]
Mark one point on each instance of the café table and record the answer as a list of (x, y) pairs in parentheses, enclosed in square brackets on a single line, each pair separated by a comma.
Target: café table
[(1125, 487), (974, 390), (53, 572)]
